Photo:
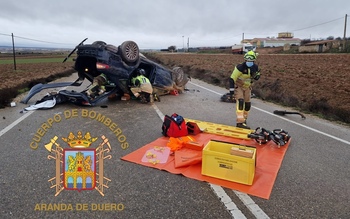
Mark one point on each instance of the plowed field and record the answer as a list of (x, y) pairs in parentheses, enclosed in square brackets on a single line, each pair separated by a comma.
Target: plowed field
[(317, 83), (27, 75)]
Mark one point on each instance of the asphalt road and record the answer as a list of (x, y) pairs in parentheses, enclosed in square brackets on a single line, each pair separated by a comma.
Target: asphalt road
[(313, 182)]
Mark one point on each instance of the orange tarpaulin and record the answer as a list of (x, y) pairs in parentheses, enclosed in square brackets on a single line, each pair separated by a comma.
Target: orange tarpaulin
[(268, 161)]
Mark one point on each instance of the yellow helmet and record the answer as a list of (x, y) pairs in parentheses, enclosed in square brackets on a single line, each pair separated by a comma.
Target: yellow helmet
[(250, 56)]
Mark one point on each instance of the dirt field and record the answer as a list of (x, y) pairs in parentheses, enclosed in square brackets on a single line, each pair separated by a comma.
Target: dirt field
[(317, 83), (26, 76)]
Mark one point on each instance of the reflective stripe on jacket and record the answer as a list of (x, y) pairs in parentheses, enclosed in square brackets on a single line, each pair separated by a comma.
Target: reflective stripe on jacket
[(140, 78), (243, 73)]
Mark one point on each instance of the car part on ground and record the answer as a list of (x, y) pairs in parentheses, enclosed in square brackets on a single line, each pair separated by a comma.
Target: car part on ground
[(39, 87), (283, 113)]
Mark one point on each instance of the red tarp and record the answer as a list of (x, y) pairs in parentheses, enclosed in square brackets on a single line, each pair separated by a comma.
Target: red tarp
[(268, 161)]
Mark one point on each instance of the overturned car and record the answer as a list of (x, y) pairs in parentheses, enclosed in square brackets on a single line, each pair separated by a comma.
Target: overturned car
[(118, 64)]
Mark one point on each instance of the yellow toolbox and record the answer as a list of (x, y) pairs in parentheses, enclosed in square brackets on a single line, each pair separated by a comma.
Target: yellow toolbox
[(218, 162)]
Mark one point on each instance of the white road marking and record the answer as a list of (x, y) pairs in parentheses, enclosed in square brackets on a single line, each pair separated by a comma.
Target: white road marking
[(218, 190), (205, 88), (229, 204), (296, 123), (160, 114), (20, 119), (304, 126), (26, 114), (248, 202)]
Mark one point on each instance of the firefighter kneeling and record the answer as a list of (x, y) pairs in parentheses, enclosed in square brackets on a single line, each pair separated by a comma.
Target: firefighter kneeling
[(98, 86), (141, 86)]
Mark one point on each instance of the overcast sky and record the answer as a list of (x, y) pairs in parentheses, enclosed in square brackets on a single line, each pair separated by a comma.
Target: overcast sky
[(155, 24)]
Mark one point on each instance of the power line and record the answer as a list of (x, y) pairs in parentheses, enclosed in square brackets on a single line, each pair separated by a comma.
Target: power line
[(300, 28), (318, 24), (196, 40), (5, 34), (41, 41)]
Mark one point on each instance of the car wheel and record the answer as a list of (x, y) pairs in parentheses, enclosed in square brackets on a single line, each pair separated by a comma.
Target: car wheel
[(179, 77), (129, 52)]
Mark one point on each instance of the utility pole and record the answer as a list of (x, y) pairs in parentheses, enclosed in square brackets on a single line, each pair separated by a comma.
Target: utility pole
[(14, 52), (344, 39), (242, 37), (183, 44), (188, 44)]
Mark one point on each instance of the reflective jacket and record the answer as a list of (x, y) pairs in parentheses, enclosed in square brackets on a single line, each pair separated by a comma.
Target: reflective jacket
[(137, 81), (243, 73)]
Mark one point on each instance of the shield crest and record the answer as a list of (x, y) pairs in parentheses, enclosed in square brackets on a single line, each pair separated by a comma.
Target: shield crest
[(79, 167)]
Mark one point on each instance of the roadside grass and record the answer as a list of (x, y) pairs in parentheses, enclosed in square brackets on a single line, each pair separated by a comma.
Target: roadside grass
[(34, 60)]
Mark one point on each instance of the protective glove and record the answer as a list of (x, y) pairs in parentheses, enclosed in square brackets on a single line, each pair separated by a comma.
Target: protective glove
[(257, 75)]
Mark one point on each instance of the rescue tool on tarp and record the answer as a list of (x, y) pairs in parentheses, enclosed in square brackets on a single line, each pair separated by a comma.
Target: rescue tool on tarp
[(283, 113), (262, 136)]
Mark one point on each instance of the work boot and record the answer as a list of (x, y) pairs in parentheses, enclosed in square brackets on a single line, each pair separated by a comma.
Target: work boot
[(143, 99), (156, 97), (148, 97), (228, 98), (242, 125)]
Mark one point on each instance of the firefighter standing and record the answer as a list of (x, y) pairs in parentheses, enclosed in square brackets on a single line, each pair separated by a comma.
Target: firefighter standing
[(241, 81)]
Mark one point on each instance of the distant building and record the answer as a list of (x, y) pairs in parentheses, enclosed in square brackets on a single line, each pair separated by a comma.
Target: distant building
[(246, 40), (275, 42), (282, 39), (320, 46), (285, 35)]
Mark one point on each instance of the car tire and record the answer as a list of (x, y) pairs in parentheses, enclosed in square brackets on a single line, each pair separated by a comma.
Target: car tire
[(129, 52), (179, 77)]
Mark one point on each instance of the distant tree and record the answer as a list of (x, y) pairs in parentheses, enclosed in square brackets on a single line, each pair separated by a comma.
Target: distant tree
[(338, 38), (305, 41), (330, 38), (172, 48)]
